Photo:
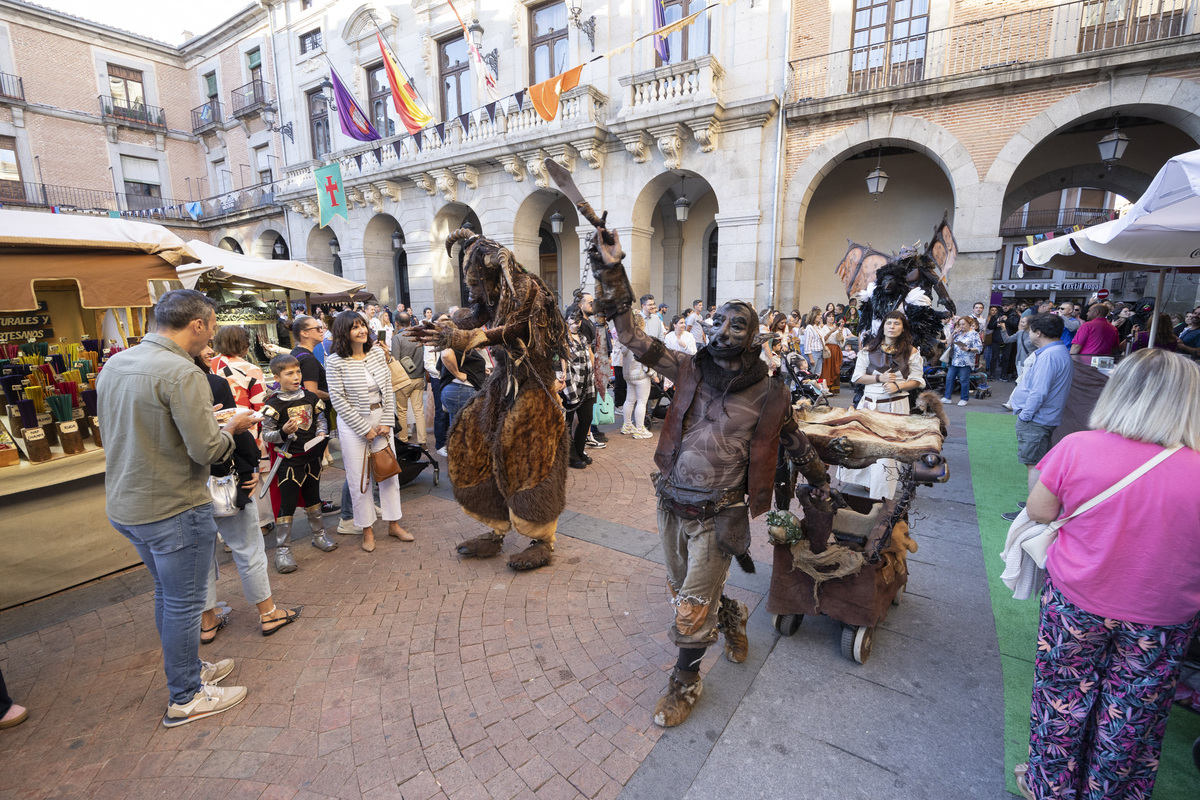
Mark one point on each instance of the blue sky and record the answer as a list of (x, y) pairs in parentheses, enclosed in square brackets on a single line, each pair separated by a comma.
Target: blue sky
[(164, 20)]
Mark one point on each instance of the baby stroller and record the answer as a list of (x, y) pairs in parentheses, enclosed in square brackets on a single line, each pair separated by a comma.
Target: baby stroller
[(413, 459), (935, 380), (804, 385)]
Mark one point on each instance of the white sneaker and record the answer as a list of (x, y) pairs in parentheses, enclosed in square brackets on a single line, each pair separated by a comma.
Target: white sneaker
[(441, 451), (215, 673), (1007, 405), (206, 702), (348, 528), (378, 512), (642, 433), (962, 402), (627, 428)]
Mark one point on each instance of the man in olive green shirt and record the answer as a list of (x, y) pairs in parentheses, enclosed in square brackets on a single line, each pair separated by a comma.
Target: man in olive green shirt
[(156, 411)]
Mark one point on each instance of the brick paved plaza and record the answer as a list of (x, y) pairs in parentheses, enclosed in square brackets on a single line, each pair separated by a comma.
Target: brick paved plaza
[(416, 674)]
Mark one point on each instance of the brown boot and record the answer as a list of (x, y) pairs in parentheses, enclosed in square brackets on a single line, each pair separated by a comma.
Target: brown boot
[(536, 555), (484, 546), (674, 707), (731, 620)]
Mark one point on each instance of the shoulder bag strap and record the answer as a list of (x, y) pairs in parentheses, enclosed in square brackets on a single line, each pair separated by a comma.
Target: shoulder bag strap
[(1119, 485), (365, 484)]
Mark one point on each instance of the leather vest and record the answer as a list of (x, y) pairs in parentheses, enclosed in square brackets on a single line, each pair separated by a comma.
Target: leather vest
[(764, 442)]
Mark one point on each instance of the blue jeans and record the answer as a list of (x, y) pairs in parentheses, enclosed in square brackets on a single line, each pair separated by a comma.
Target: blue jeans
[(178, 551), (963, 375), (454, 399), (441, 421)]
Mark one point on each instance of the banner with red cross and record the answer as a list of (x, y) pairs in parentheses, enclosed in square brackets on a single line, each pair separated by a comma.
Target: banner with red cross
[(331, 194)]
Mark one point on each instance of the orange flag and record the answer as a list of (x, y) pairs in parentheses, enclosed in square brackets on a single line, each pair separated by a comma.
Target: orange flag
[(545, 94)]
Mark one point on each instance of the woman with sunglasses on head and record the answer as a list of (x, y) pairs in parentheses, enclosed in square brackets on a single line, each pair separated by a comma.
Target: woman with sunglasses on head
[(360, 389)]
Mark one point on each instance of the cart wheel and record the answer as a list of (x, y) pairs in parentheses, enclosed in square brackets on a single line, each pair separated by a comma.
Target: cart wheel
[(787, 624), (856, 643), (899, 594)]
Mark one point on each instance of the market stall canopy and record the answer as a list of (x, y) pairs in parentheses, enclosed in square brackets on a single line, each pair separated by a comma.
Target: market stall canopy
[(1160, 231), (265, 272), (110, 260)]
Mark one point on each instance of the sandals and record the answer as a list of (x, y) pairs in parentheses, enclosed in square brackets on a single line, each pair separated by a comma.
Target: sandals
[(222, 621), (290, 616), (1019, 773)]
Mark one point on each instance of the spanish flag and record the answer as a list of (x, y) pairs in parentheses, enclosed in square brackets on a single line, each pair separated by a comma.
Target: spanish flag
[(411, 110)]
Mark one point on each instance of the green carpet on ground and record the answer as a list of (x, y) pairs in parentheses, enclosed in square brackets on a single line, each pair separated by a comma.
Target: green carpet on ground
[(999, 483)]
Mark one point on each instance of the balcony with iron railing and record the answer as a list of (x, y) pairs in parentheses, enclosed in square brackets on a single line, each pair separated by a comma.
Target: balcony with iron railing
[(1030, 223), (70, 199), (251, 98), (123, 112), (1022, 38), (206, 117), (11, 87)]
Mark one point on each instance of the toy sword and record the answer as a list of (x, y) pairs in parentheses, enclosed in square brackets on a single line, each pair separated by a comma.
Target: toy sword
[(266, 484)]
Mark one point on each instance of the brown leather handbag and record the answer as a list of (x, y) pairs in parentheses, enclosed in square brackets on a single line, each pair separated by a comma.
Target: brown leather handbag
[(382, 464)]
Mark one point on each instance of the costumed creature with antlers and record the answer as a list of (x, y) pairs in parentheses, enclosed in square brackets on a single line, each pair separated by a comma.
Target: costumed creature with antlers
[(904, 281), (508, 446), (716, 460)]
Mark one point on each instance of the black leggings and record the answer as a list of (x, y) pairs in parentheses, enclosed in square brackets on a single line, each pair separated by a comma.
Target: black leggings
[(6, 702), (296, 482), (581, 419)]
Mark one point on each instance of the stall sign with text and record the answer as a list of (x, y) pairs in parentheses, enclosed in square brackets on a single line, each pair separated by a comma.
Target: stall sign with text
[(21, 326)]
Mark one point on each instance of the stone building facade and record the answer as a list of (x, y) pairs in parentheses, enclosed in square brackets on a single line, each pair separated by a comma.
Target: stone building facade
[(981, 109), (757, 131)]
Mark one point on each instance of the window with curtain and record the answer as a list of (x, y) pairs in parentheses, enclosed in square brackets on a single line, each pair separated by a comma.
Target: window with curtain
[(453, 69), (692, 41), (254, 64), (142, 181), (125, 86), (379, 101), (318, 123), (548, 40), (262, 163), (888, 43)]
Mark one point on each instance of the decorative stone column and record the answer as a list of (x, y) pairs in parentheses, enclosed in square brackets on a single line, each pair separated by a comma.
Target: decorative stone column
[(636, 242), (420, 273)]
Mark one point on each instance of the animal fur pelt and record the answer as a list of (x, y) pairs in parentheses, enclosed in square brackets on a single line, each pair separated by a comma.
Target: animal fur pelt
[(930, 405), (855, 438), (508, 446)]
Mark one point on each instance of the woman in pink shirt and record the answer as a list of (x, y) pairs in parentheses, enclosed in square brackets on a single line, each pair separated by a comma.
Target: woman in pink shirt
[(1122, 594)]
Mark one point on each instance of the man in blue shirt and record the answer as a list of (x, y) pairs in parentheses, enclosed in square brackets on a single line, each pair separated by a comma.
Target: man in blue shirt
[(1040, 397)]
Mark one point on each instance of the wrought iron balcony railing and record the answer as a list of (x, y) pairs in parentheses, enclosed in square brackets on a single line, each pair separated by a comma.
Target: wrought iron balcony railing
[(11, 87), (206, 117), (126, 113), (1022, 37), (1028, 223), (250, 98), (89, 201)]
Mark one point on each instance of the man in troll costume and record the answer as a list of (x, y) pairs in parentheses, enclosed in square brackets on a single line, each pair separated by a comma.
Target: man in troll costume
[(508, 446), (716, 460)]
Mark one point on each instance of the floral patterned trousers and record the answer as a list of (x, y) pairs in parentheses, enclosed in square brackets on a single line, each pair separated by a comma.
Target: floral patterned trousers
[(1102, 691)]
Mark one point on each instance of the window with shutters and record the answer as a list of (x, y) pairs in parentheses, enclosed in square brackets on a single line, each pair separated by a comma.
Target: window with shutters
[(142, 181), (692, 41), (262, 163), (379, 99), (254, 64), (888, 43), (548, 40), (125, 86), (318, 123), (310, 42), (453, 68)]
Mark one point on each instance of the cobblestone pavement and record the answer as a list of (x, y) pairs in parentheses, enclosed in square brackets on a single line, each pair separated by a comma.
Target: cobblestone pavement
[(412, 673)]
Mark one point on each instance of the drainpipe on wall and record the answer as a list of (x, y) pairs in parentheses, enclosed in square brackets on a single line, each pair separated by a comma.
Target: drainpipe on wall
[(287, 217), (779, 163)]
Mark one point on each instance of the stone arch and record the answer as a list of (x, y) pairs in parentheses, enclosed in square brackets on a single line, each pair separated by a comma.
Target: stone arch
[(381, 260), (362, 21), (316, 248), (264, 243), (919, 135), (1127, 182), (1170, 100), (447, 281), (656, 251), (230, 242), (530, 217)]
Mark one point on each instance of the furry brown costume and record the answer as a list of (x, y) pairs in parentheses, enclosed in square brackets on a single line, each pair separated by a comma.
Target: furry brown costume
[(508, 447)]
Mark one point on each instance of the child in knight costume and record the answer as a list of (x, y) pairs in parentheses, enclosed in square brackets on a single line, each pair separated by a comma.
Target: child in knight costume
[(295, 424)]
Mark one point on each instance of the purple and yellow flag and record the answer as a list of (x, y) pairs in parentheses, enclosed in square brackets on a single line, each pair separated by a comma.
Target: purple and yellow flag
[(354, 122), (661, 45)]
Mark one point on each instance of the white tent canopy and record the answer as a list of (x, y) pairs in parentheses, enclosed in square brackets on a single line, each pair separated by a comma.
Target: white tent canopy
[(1161, 231), (295, 275), (33, 229)]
